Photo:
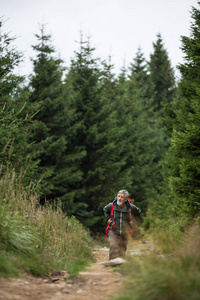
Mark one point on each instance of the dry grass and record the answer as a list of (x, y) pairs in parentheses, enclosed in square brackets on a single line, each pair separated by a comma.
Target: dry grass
[(170, 276), (40, 233)]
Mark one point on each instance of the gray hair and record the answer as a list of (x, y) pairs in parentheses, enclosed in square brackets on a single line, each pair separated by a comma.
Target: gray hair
[(124, 192)]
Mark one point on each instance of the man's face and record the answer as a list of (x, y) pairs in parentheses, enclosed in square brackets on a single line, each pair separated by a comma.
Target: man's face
[(121, 199)]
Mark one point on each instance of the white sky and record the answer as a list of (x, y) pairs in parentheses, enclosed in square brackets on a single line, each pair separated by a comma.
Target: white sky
[(116, 27)]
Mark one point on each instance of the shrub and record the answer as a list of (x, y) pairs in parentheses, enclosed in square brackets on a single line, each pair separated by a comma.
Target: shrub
[(41, 237), (170, 277)]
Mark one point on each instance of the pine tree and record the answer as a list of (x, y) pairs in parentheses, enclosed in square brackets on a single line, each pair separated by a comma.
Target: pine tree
[(93, 89), (113, 130), (82, 79), (144, 135), (183, 158), (9, 59), (165, 93), (126, 133), (13, 127), (163, 78), (52, 120)]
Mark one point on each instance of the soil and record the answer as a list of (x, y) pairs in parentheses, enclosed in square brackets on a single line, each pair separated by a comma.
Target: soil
[(98, 282)]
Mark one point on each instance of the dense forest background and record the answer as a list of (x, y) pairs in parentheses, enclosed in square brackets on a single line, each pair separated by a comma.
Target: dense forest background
[(77, 134)]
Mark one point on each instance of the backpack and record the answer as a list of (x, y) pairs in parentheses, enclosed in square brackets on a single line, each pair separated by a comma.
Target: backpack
[(113, 217)]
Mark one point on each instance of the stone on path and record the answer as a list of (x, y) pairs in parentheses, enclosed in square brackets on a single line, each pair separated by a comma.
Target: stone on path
[(113, 262)]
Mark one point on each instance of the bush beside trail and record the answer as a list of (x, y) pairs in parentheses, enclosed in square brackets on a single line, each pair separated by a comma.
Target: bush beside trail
[(36, 238), (170, 271)]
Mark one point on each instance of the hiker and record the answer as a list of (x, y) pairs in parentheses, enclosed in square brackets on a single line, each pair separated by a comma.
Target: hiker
[(119, 223)]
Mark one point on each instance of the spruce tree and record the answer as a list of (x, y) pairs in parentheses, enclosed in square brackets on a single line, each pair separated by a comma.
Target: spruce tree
[(144, 135), (82, 81), (13, 127), (183, 158), (10, 58), (50, 130), (124, 107), (92, 88), (163, 79), (113, 130), (164, 95)]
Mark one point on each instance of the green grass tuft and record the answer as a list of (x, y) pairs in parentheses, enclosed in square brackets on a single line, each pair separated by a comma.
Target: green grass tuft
[(8, 267), (37, 239), (172, 276)]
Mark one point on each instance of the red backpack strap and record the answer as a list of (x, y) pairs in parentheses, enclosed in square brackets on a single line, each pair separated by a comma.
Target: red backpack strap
[(112, 215)]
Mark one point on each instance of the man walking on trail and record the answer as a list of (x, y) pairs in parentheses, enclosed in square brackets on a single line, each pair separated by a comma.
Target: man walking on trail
[(118, 214)]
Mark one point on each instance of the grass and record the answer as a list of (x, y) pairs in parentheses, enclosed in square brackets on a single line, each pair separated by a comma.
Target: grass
[(172, 276), (36, 238), (8, 266)]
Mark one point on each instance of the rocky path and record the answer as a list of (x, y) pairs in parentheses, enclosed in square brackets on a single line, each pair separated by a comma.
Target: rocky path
[(97, 283)]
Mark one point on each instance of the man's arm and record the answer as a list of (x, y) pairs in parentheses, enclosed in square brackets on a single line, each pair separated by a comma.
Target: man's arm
[(135, 210), (107, 211)]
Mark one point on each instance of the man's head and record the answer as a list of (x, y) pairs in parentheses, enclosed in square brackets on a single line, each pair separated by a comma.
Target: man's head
[(122, 197), (125, 192)]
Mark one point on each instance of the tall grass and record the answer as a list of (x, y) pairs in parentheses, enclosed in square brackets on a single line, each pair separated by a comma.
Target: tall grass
[(37, 238), (172, 276)]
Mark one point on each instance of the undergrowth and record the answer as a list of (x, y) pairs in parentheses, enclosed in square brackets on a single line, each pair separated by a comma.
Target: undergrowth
[(171, 276), (36, 238)]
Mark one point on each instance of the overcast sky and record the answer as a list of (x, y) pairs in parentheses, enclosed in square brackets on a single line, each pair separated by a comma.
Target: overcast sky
[(116, 27)]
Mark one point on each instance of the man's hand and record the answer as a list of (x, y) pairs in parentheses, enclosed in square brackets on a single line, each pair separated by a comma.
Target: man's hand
[(109, 221)]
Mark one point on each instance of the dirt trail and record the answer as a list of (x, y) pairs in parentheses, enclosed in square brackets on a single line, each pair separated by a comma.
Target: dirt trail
[(96, 283)]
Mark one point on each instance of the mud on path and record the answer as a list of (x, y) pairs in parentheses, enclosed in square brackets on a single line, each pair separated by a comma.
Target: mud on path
[(96, 283)]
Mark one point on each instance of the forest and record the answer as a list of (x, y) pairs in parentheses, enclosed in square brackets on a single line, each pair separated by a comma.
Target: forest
[(75, 135), (80, 133)]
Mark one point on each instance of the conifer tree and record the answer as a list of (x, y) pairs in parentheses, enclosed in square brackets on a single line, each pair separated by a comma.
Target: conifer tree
[(52, 119), (9, 59), (164, 93), (93, 94), (126, 133), (82, 82), (163, 79), (136, 116), (144, 137), (183, 158), (117, 175), (13, 127)]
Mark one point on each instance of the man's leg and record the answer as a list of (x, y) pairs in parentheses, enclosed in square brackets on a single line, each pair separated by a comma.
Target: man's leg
[(118, 245), (122, 246)]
